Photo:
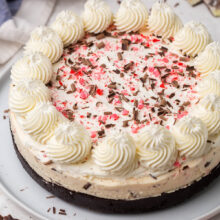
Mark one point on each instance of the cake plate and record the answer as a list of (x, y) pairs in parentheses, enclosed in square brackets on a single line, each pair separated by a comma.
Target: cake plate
[(24, 191)]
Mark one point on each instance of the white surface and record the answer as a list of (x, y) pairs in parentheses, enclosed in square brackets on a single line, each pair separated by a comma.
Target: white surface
[(14, 178)]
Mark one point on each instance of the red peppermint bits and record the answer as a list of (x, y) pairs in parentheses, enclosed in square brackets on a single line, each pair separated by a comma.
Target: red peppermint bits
[(84, 95), (99, 91)]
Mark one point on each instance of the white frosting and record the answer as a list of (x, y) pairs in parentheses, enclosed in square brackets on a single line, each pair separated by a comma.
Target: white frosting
[(208, 110), (47, 41), (26, 94), (97, 16), (163, 21), (191, 137), (156, 148), (210, 84), (209, 59), (71, 143), (69, 27), (32, 66), (192, 38), (116, 154), (131, 16), (41, 122)]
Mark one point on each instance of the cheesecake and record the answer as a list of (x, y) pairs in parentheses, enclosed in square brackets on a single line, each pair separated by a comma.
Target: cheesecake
[(118, 112)]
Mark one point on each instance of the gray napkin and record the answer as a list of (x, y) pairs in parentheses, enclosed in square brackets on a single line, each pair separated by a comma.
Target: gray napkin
[(15, 30)]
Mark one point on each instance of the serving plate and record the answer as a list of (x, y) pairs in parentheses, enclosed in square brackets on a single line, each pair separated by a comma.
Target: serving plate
[(25, 192)]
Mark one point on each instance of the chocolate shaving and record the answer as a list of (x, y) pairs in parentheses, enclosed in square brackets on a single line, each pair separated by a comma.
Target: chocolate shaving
[(186, 103), (125, 44), (124, 98), (100, 45), (107, 113), (75, 107), (136, 93), (92, 90), (207, 164), (172, 95), (73, 87), (119, 109), (87, 185), (135, 114), (101, 133), (116, 71), (111, 94), (119, 56), (185, 167), (100, 36), (125, 123), (112, 85), (190, 68), (128, 66), (110, 125), (103, 66), (89, 115), (145, 68), (144, 78)]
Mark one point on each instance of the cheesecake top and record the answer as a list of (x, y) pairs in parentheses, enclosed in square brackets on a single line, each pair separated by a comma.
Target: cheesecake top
[(119, 93)]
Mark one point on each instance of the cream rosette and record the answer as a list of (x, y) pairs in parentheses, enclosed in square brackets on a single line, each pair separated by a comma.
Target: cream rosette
[(97, 16), (156, 149), (47, 41), (71, 143), (210, 84), (163, 21), (209, 60), (208, 110), (69, 27), (116, 154), (131, 16), (26, 94), (192, 38), (191, 137), (41, 122), (32, 66)]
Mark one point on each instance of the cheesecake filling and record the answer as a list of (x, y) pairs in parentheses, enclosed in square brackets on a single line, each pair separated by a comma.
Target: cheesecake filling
[(118, 117), (123, 82)]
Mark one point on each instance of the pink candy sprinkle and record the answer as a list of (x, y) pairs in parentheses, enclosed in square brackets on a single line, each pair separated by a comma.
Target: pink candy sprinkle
[(134, 130), (93, 134), (114, 116), (99, 91), (84, 95), (165, 60), (177, 164), (125, 112)]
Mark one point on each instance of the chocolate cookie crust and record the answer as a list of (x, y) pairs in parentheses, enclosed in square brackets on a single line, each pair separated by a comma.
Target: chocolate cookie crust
[(120, 206)]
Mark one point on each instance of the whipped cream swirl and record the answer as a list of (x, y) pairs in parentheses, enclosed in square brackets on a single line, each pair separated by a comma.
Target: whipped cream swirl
[(41, 122), (32, 66), (97, 16), (156, 149), (116, 154), (131, 16), (192, 38), (47, 41), (163, 21), (69, 27), (209, 60), (210, 84), (191, 137), (208, 110), (71, 143), (26, 94)]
